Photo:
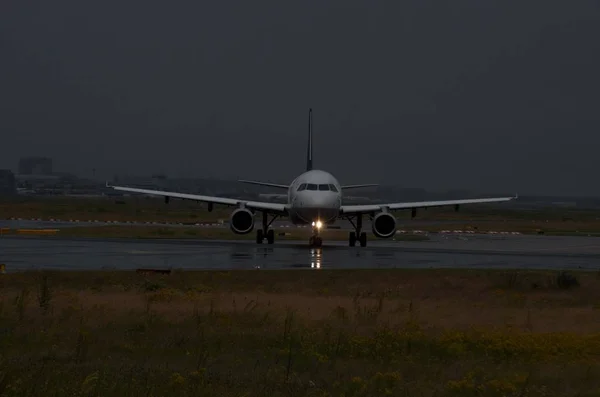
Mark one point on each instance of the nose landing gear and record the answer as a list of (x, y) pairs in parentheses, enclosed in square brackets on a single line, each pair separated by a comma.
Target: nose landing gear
[(315, 240)]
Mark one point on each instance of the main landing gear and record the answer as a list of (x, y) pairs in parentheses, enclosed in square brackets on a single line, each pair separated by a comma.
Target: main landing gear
[(315, 241), (265, 232), (358, 234)]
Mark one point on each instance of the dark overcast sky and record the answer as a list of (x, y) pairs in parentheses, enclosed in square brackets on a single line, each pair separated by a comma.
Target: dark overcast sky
[(492, 95)]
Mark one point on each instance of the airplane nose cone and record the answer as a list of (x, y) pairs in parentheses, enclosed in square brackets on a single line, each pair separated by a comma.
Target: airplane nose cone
[(318, 206), (322, 201)]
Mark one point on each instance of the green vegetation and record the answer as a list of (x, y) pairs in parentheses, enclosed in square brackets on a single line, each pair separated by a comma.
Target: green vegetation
[(300, 333), (164, 232), (556, 228), (141, 209)]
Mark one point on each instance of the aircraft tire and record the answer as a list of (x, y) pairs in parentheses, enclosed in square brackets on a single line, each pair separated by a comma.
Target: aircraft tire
[(315, 241), (352, 239), (270, 236), (259, 236), (363, 239)]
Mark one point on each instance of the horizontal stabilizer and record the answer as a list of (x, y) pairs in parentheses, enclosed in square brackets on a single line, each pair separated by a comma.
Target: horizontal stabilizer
[(359, 186), (264, 184)]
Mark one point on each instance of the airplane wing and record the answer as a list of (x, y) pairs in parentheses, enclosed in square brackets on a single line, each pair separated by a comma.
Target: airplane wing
[(346, 187), (361, 209), (277, 185), (275, 208)]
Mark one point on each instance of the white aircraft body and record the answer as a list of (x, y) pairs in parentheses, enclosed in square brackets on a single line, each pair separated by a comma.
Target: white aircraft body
[(315, 198)]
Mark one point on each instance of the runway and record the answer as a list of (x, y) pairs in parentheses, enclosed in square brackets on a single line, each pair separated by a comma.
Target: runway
[(524, 252)]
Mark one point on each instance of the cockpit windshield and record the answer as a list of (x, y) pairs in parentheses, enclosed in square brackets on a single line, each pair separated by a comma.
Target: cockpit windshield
[(324, 187)]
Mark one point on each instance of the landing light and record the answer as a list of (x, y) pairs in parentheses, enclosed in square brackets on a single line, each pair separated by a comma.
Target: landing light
[(318, 224)]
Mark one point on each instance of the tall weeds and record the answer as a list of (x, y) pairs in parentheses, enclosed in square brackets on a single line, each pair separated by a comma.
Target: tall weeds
[(44, 295), (163, 341)]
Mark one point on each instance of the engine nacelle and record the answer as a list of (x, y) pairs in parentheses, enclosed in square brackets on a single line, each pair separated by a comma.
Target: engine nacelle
[(241, 221), (384, 225)]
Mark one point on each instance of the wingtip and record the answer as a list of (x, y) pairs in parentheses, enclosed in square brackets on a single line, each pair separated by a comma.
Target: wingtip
[(107, 184)]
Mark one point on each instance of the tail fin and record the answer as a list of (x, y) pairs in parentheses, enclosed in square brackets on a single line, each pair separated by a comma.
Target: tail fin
[(309, 165)]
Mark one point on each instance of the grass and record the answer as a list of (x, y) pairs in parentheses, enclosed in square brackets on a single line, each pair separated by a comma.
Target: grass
[(558, 221), (557, 228), (216, 233), (138, 209), (300, 333)]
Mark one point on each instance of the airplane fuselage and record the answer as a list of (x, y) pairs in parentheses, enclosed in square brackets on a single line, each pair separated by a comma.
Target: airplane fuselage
[(314, 196)]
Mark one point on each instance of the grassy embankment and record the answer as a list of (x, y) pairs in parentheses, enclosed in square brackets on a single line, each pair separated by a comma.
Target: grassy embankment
[(154, 232), (142, 210), (300, 333), (476, 218), (207, 233)]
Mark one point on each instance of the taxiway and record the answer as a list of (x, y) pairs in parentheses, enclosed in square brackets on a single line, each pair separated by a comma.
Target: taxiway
[(473, 251)]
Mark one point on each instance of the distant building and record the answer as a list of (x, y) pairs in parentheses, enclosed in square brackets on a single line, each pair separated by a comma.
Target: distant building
[(143, 182), (35, 166), (8, 184), (39, 184)]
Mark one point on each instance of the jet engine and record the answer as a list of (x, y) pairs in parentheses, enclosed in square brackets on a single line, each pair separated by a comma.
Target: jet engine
[(384, 225), (241, 221)]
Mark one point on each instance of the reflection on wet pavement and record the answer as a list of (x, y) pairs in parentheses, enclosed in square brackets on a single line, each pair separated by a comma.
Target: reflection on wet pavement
[(85, 254)]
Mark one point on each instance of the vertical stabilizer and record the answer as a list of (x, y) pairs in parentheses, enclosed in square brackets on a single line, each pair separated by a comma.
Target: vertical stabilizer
[(309, 163)]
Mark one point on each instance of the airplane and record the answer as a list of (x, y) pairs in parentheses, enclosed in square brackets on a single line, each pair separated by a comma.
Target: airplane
[(313, 198)]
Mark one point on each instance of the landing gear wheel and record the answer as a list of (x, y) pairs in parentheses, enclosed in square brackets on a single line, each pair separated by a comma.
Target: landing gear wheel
[(352, 239), (315, 241), (363, 239), (265, 232), (270, 236), (357, 234)]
